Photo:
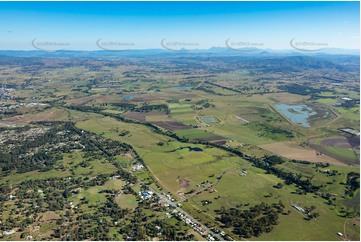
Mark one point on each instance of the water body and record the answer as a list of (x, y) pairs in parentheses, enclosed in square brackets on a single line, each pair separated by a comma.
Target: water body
[(298, 114), (127, 97)]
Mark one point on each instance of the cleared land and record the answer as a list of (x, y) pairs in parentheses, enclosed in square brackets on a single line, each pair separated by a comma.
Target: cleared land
[(292, 150), (143, 116)]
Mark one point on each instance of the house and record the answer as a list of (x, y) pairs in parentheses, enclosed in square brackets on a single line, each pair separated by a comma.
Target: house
[(145, 194), (137, 167)]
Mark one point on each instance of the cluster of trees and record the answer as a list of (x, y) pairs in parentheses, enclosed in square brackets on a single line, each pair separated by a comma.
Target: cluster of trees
[(32, 153), (251, 222), (300, 89), (208, 90), (352, 183), (41, 152), (350, 103), (153, 107), (204, 103), (125, 106), (268, 164)]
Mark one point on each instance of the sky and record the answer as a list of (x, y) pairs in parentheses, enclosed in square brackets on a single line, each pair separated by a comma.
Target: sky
[(174, 25)]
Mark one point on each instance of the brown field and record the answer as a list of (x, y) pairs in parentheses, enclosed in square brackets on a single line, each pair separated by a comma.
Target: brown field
[(96, 98), (81, 101), (287, 97), (51, 115), (292, 150), (171, 125), (142, 116), (341, 142)]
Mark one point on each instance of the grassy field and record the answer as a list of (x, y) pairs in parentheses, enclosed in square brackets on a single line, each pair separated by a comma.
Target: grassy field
[(240, 192), (194, 133), (179, 170), (177, 109), (246, 121)]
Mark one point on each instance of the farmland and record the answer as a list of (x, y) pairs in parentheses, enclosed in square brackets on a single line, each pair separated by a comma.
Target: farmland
[(125, 141)]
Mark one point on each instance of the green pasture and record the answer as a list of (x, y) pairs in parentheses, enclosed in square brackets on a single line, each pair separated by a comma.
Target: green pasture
[(177, 109)]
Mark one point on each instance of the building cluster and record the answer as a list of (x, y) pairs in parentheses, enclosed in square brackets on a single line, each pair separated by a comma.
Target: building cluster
[(10, 107), (5, 93)]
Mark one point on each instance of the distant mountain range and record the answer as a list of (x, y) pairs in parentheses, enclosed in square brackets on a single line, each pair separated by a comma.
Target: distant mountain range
[(218, 51)]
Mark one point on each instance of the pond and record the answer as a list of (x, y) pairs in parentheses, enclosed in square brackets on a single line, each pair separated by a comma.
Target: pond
[(298, 114)]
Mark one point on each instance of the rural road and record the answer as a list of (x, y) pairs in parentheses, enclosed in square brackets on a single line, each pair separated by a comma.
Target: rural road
[(180, 210), (174, 204)]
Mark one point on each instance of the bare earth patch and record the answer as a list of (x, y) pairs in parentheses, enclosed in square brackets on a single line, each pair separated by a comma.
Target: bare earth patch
[(184, 183), (142, 116), (341, 142), (292, 150)]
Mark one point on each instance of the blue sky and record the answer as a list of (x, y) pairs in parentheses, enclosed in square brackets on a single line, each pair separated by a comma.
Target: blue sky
[(140, 25)]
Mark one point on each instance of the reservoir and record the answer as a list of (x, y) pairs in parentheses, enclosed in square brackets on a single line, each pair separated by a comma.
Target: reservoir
[(297, 114)]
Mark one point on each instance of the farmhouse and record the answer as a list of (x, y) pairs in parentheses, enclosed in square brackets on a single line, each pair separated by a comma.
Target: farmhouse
[(137, 167)]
